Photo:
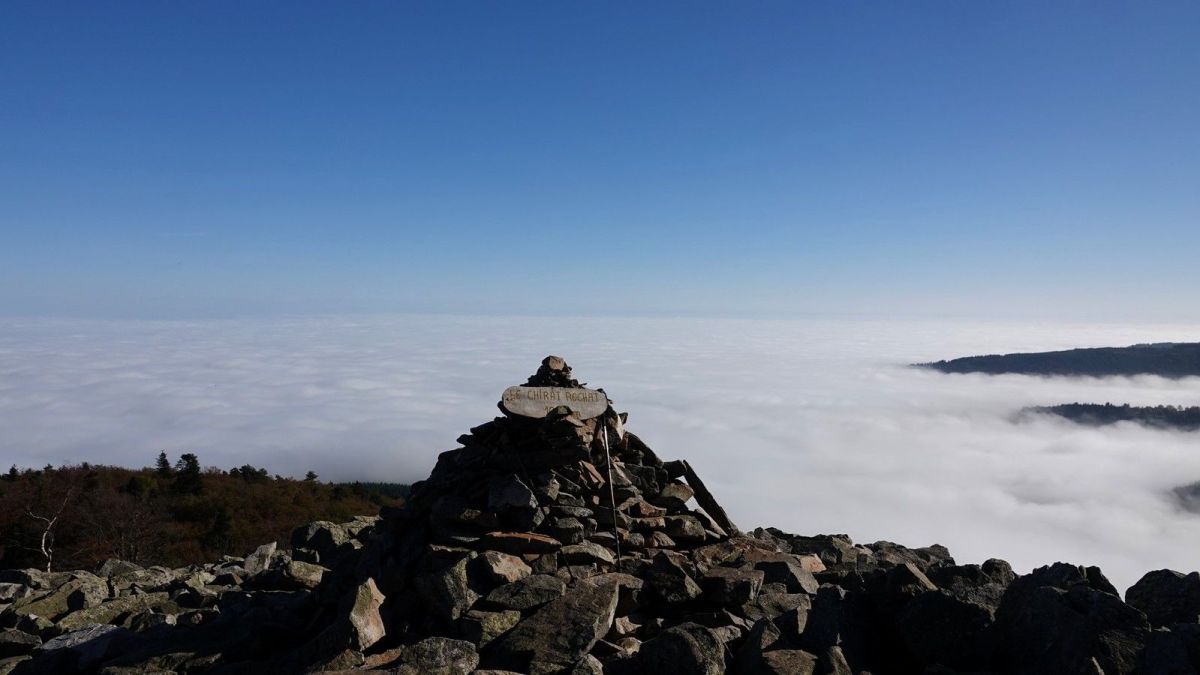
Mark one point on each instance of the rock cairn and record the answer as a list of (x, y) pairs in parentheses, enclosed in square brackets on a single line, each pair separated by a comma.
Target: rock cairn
[(527, 550)]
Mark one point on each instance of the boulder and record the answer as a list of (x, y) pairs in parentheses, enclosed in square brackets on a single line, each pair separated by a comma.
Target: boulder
[(10, 592), (844, 619), (260, 559), (567, 530), (1167, 597), (940, 628), (763, 635), (685, 529), (586, 553), (588, 665), (15, 642), (528, 593), (436, 656), (731, 586), (673, 496), (786, 662), (449, 592), (82, 591), (559, 634), (685, 649), (1062, 618), (79, 650), (773, 601), (303, 575), (1171, 652), (365, 623), (109, 611), (322, 536), (789, 571), (482, 627), (115, 568), (669, 581), (494, 567), (509, 492)]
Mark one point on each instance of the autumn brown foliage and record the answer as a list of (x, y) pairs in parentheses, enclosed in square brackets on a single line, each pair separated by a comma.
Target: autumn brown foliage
[(162, 516)]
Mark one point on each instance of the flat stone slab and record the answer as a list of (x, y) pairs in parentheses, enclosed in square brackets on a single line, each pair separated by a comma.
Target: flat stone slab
[(539, 401)]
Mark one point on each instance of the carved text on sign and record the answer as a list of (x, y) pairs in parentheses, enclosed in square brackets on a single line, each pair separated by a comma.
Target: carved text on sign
[(538, 401)]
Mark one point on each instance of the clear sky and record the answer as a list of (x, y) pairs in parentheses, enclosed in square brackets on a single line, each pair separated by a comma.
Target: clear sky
[(164, 159)]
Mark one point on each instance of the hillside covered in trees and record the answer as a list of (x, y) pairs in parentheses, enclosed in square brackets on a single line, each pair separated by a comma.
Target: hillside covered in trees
[(1095, 414), (173, 514), (1168, 359)]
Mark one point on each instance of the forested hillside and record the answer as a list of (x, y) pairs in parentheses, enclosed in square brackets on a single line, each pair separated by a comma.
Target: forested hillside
[(1173, 359), (1095, 414), (173, 514)]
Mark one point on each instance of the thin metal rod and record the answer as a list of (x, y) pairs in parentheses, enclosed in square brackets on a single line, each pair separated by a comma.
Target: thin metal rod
[(612, 495)]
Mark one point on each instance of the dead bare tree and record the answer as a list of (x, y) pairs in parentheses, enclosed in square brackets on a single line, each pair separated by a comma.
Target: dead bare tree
[(48, 523)]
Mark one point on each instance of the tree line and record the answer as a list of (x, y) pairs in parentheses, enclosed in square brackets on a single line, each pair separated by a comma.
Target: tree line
[(1171, 359), (173, 513), (1095, 414)]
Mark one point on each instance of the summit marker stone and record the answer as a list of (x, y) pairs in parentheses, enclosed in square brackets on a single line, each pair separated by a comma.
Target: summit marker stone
[(539, 401)]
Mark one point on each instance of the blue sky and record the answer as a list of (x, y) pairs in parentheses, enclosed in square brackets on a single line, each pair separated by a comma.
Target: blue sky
[(773, 159)]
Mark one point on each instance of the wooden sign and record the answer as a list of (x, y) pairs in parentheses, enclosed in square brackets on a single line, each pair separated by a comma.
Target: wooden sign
[(539, 401)]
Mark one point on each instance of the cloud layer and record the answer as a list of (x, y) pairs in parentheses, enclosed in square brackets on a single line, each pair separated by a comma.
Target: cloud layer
[(811, 426)]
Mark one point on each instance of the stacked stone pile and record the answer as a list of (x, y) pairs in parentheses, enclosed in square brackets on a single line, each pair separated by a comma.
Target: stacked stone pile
[(563, 544)]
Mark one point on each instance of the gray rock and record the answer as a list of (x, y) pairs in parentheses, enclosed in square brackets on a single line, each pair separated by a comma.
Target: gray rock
[(585, 553), (108, 611), (10, 592), (82, 591), (687, 648), (789, 571), (82, 648), (260, 559), (1061, 618), (115, 568), (303, 575), (939, 627), (761, 637), (685, 529), (366, 625), (786, 662), (15, 642), (847, 620), (888, 554), (588, 665), (482, 627), (323, 537), (532, 591), (674, 496), (9, 664), (666, 579), (509, 492), (448, 593), (732, 587), (499, 568), (566, 530), (436, 656), (33, 578), (559, 634), (1167, 597), (834, 662), (1172, 652), (658, 540)]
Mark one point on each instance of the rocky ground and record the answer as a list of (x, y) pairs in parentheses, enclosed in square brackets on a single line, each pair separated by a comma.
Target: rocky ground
[(511, 557)]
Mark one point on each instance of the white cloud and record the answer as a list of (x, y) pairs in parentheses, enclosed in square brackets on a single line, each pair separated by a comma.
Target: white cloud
[(811, 426)]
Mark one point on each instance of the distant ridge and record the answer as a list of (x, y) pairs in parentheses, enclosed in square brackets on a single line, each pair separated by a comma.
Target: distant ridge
[(1168, 359), (1095, 414)]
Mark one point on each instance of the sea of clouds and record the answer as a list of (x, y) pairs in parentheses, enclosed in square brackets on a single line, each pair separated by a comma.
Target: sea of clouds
[(808, 425)]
